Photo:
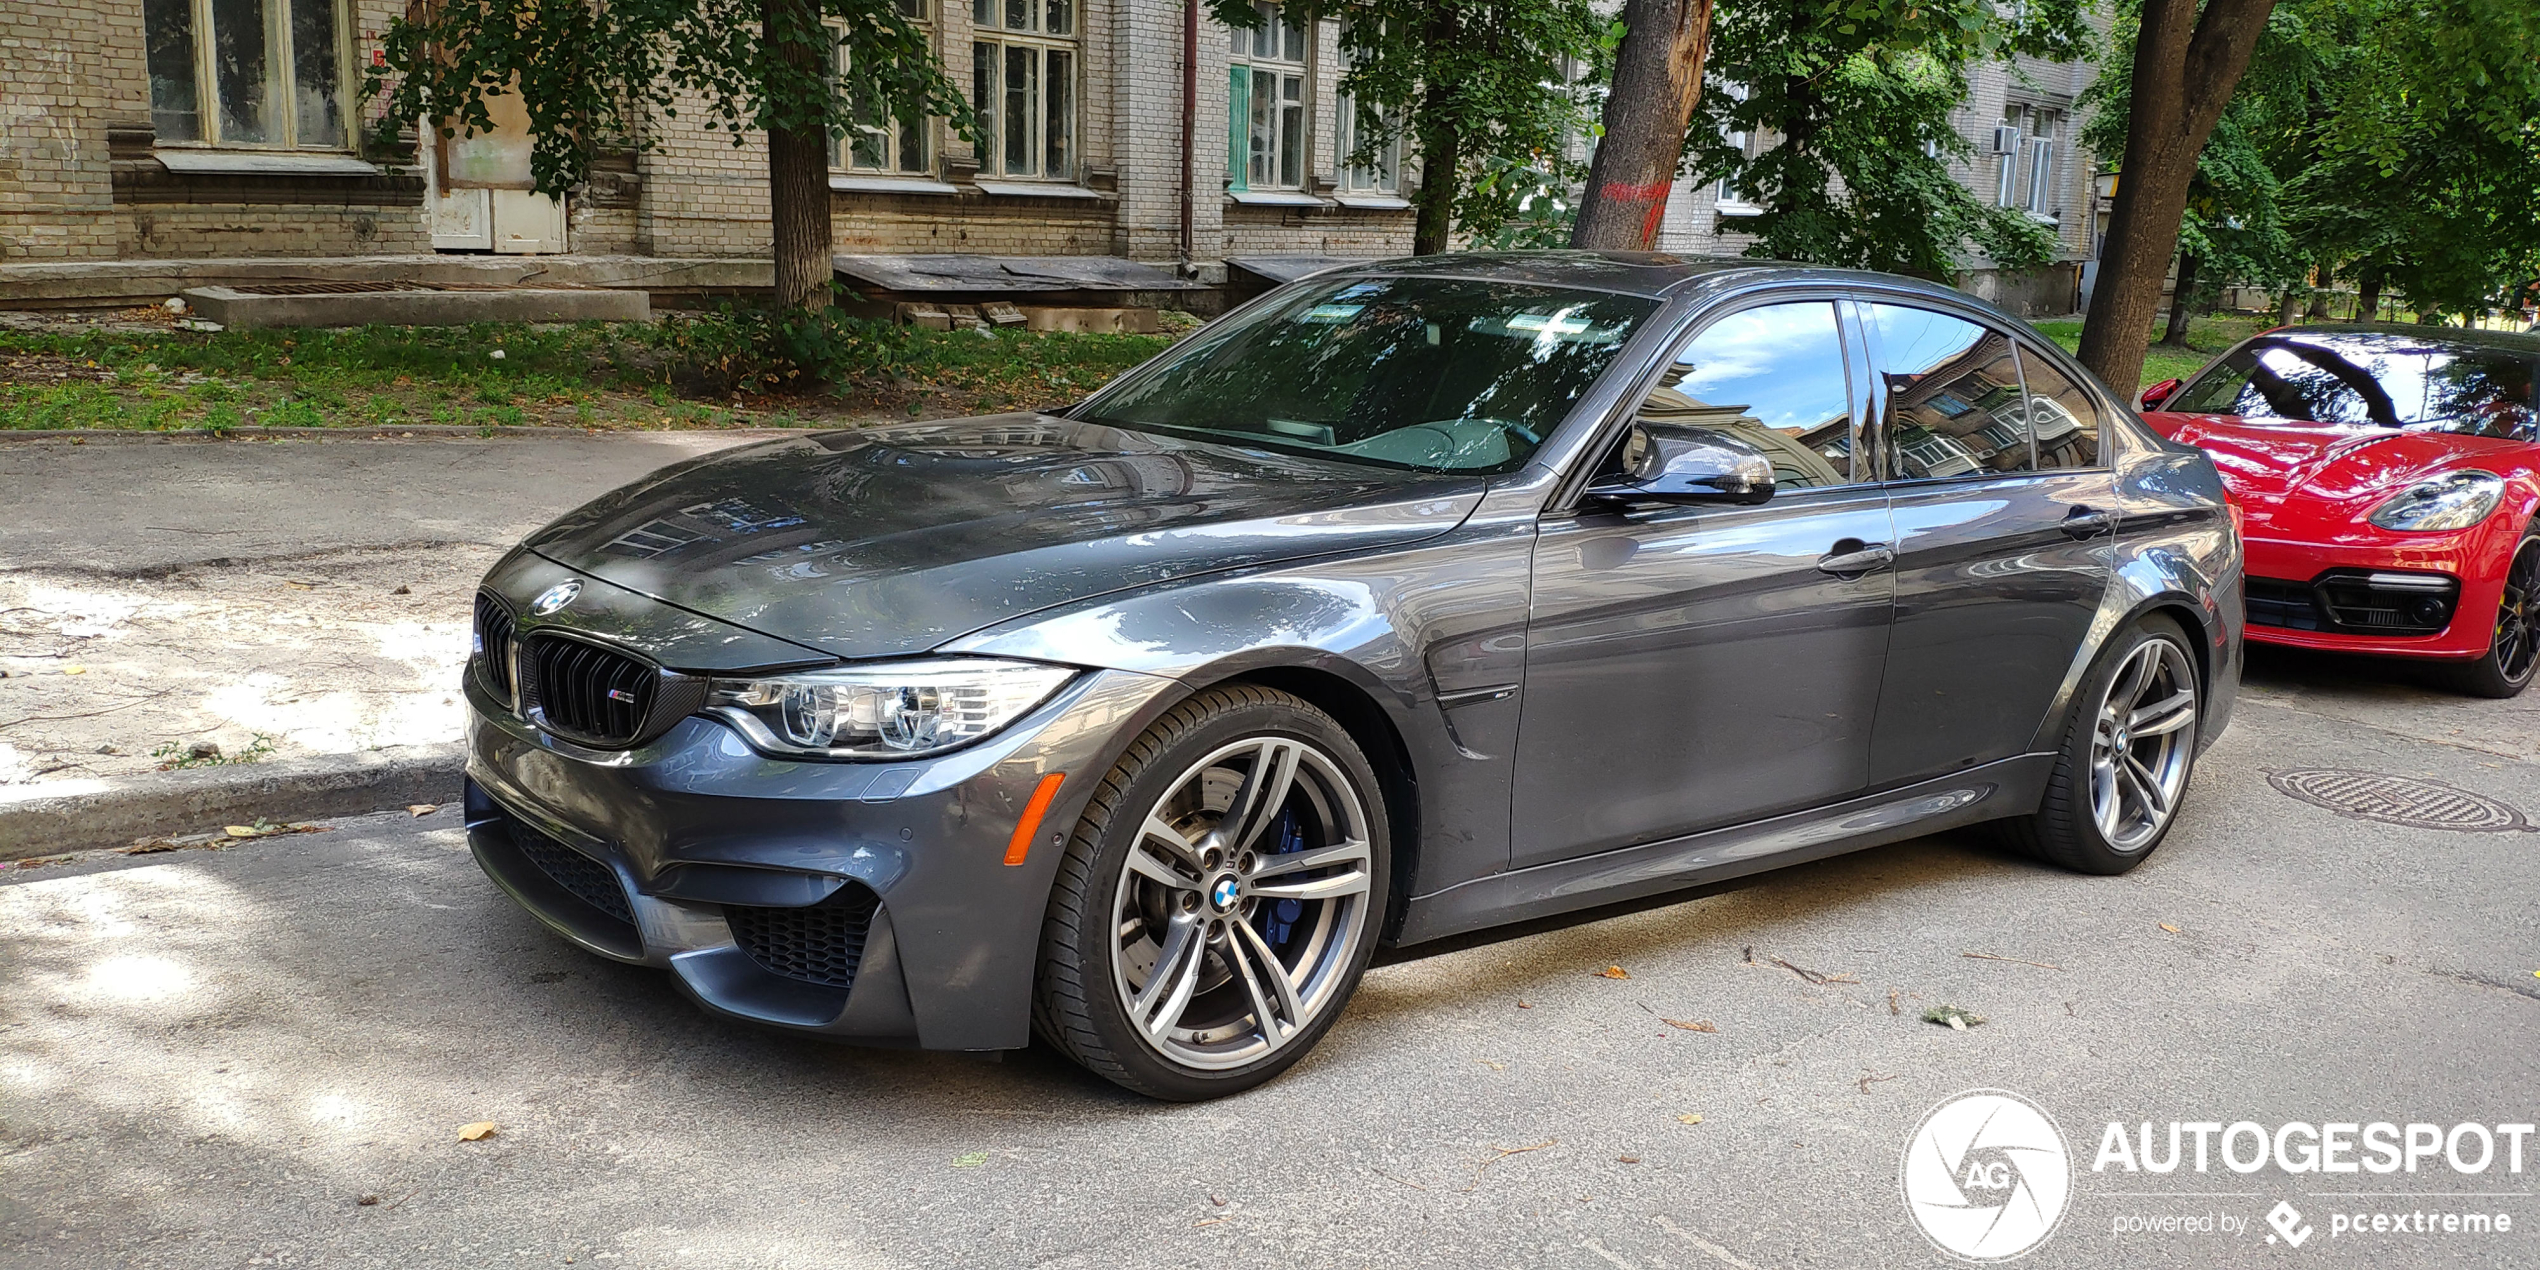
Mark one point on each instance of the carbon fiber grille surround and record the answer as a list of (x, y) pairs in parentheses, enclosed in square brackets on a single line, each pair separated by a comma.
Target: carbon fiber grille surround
[(822, 944)]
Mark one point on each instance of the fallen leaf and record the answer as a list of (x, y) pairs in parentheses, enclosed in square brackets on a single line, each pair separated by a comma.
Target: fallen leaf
[(74, 670), (1690, 1117), (1613, 972), (151, 848), (2174, 930), (1493, 1064), (422, 809), (240, 831), (1957, 1018), (1524, 1004), (1690, 1025), (477, 1132), (367, 1200), (1627, 1159), (970, 1159)]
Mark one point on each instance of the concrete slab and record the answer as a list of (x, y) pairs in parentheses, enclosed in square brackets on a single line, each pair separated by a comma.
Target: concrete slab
[(392, 304), (75, 283)]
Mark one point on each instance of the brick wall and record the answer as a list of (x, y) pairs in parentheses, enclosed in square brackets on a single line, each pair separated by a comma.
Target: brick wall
[(66, 79)]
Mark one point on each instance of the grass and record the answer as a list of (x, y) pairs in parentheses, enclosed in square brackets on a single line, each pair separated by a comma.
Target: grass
[(591, 375), (2206, 336)]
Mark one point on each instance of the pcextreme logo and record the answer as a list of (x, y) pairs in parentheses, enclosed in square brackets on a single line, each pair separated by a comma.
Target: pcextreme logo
[(1987, 1175)]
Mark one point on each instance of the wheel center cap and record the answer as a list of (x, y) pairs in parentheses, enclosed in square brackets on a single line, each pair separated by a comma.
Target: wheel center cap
[(2124, 738), (1224, 892)]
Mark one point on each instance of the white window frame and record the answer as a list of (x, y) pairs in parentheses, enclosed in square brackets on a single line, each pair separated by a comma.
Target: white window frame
[(1384, 176), (2039, 195), (282, 74), (1730, 200), (2006, 184), (1281, 53), (897, 137), (1053, 29)]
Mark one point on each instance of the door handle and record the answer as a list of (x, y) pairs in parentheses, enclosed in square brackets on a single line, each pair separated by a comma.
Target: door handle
[(2089, 522), (1862, 558)]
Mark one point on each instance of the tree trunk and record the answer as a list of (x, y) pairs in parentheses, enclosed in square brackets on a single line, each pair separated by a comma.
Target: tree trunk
[(1441, 152), (798, 161), (2182, 305), (2324, 278), (2368, 294), (2288, 309), (1657, 82), (2185, 68)]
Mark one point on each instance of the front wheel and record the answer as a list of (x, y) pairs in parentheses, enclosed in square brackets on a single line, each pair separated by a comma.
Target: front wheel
[(1219, 900), (2513, 652), (2117, 784)]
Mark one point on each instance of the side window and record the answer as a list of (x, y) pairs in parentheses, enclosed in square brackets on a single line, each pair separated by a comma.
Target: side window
[(1953, 395), (2061, 416), (1773, 377)]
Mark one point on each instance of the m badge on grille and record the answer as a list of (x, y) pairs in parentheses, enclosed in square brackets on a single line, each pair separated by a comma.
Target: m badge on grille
[(620, 694)]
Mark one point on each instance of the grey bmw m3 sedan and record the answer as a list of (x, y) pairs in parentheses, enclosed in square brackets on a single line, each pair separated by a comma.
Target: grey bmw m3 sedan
[(1407, 600)]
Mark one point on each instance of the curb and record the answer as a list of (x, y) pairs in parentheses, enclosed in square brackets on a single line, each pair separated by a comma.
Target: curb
[(83, 815)]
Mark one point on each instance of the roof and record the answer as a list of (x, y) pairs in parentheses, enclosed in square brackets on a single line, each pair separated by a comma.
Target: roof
[(1647, 273), (2451, 336)]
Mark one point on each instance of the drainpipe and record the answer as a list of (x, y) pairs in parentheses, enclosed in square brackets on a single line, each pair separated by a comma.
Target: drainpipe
[(1190, 120)]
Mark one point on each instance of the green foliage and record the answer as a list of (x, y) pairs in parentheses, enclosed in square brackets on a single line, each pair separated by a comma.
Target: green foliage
[(754, 350), (1513, 83), (594, 75), (2397, 140), (1850, 93)]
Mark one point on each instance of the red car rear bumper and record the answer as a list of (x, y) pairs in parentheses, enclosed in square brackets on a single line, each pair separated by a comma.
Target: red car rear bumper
[(2475, 558)]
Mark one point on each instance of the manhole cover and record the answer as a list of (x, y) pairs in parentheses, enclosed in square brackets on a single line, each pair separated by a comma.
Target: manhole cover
[(2398, 800)]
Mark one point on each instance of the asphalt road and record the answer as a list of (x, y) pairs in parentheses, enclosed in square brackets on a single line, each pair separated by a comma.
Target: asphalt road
[(209, 1059)]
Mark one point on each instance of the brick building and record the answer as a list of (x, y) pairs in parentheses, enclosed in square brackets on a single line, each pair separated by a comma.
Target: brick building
[(136, 131)]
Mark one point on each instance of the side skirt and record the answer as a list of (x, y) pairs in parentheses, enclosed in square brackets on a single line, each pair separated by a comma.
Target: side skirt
[(2006, 787)]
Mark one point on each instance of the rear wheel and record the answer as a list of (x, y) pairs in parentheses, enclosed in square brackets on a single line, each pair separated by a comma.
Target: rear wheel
[(1219, 900), (2117, 784), (2513, 653)]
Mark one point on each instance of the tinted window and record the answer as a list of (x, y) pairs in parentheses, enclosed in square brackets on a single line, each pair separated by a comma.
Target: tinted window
[(1773, 377), (1953, 394), (2062, 416), (1437, 374), (2367, 379)]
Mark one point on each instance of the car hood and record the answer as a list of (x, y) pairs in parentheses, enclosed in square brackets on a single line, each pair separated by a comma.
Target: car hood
[(889, 541), (2299, 477)]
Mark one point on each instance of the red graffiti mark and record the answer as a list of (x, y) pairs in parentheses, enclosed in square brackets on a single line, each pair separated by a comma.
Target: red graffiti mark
[(1649, 224), (1622, 193)]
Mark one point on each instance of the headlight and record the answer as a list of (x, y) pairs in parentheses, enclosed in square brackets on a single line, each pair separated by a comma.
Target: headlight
[(884, 711), (2454, 500)]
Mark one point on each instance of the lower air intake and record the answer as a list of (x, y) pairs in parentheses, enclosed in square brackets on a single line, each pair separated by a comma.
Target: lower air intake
[(590, 881), (822, 944)]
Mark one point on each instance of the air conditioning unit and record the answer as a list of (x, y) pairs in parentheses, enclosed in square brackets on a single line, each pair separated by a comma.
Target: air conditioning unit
[(2006, 139)]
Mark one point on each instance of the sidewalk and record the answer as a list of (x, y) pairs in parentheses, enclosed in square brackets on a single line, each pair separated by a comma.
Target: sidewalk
[(278, 599)]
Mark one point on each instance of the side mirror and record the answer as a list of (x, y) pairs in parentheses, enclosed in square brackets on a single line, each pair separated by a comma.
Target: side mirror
[(2156, 394), (1676, 463)]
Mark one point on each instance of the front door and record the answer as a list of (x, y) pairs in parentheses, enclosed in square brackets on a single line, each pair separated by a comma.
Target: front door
[(1691, 667), (2005, 518), (481, 189)]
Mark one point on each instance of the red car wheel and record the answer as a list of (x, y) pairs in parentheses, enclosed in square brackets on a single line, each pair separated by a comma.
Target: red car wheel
[(2514, 653)]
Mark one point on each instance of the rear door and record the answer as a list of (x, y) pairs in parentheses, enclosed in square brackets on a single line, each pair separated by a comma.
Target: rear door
[(2005, 514), (1689, 667)]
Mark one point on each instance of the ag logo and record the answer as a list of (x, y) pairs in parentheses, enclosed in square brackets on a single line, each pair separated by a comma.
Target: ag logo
[(1987, 1176), (555, 597)]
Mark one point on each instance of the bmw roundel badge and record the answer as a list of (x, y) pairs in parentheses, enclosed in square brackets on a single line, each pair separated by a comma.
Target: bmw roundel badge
[(555, 597)]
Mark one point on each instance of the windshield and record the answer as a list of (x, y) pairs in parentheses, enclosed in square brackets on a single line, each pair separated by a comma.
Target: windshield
[(2368, 379), (1432, 374)]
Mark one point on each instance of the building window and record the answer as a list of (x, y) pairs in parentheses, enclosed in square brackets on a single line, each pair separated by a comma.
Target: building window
[(1265, 104), (247, 72), (2040, 196), (2007, 144), (1359, 125), (879, 141), (1733, 199), (2026, 142), (1023, 84)]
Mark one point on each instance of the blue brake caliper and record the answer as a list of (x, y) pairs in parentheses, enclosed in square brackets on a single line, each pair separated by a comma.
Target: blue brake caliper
[(1279, 920)]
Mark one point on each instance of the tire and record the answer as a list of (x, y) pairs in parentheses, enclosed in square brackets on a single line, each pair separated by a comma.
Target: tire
[(2097, 817), (2512, 660), (1186, 959)]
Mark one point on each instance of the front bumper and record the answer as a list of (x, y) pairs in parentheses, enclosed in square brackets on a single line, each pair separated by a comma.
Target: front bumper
[(865, 901), (2354, 597)]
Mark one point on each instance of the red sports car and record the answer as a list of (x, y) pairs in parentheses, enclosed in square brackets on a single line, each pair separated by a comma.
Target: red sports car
[(2388, 478)]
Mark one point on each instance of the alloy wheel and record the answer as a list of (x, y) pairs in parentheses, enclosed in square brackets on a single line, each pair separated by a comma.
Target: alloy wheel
[(2144, 738), (1241, 904), (2518, 616)]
